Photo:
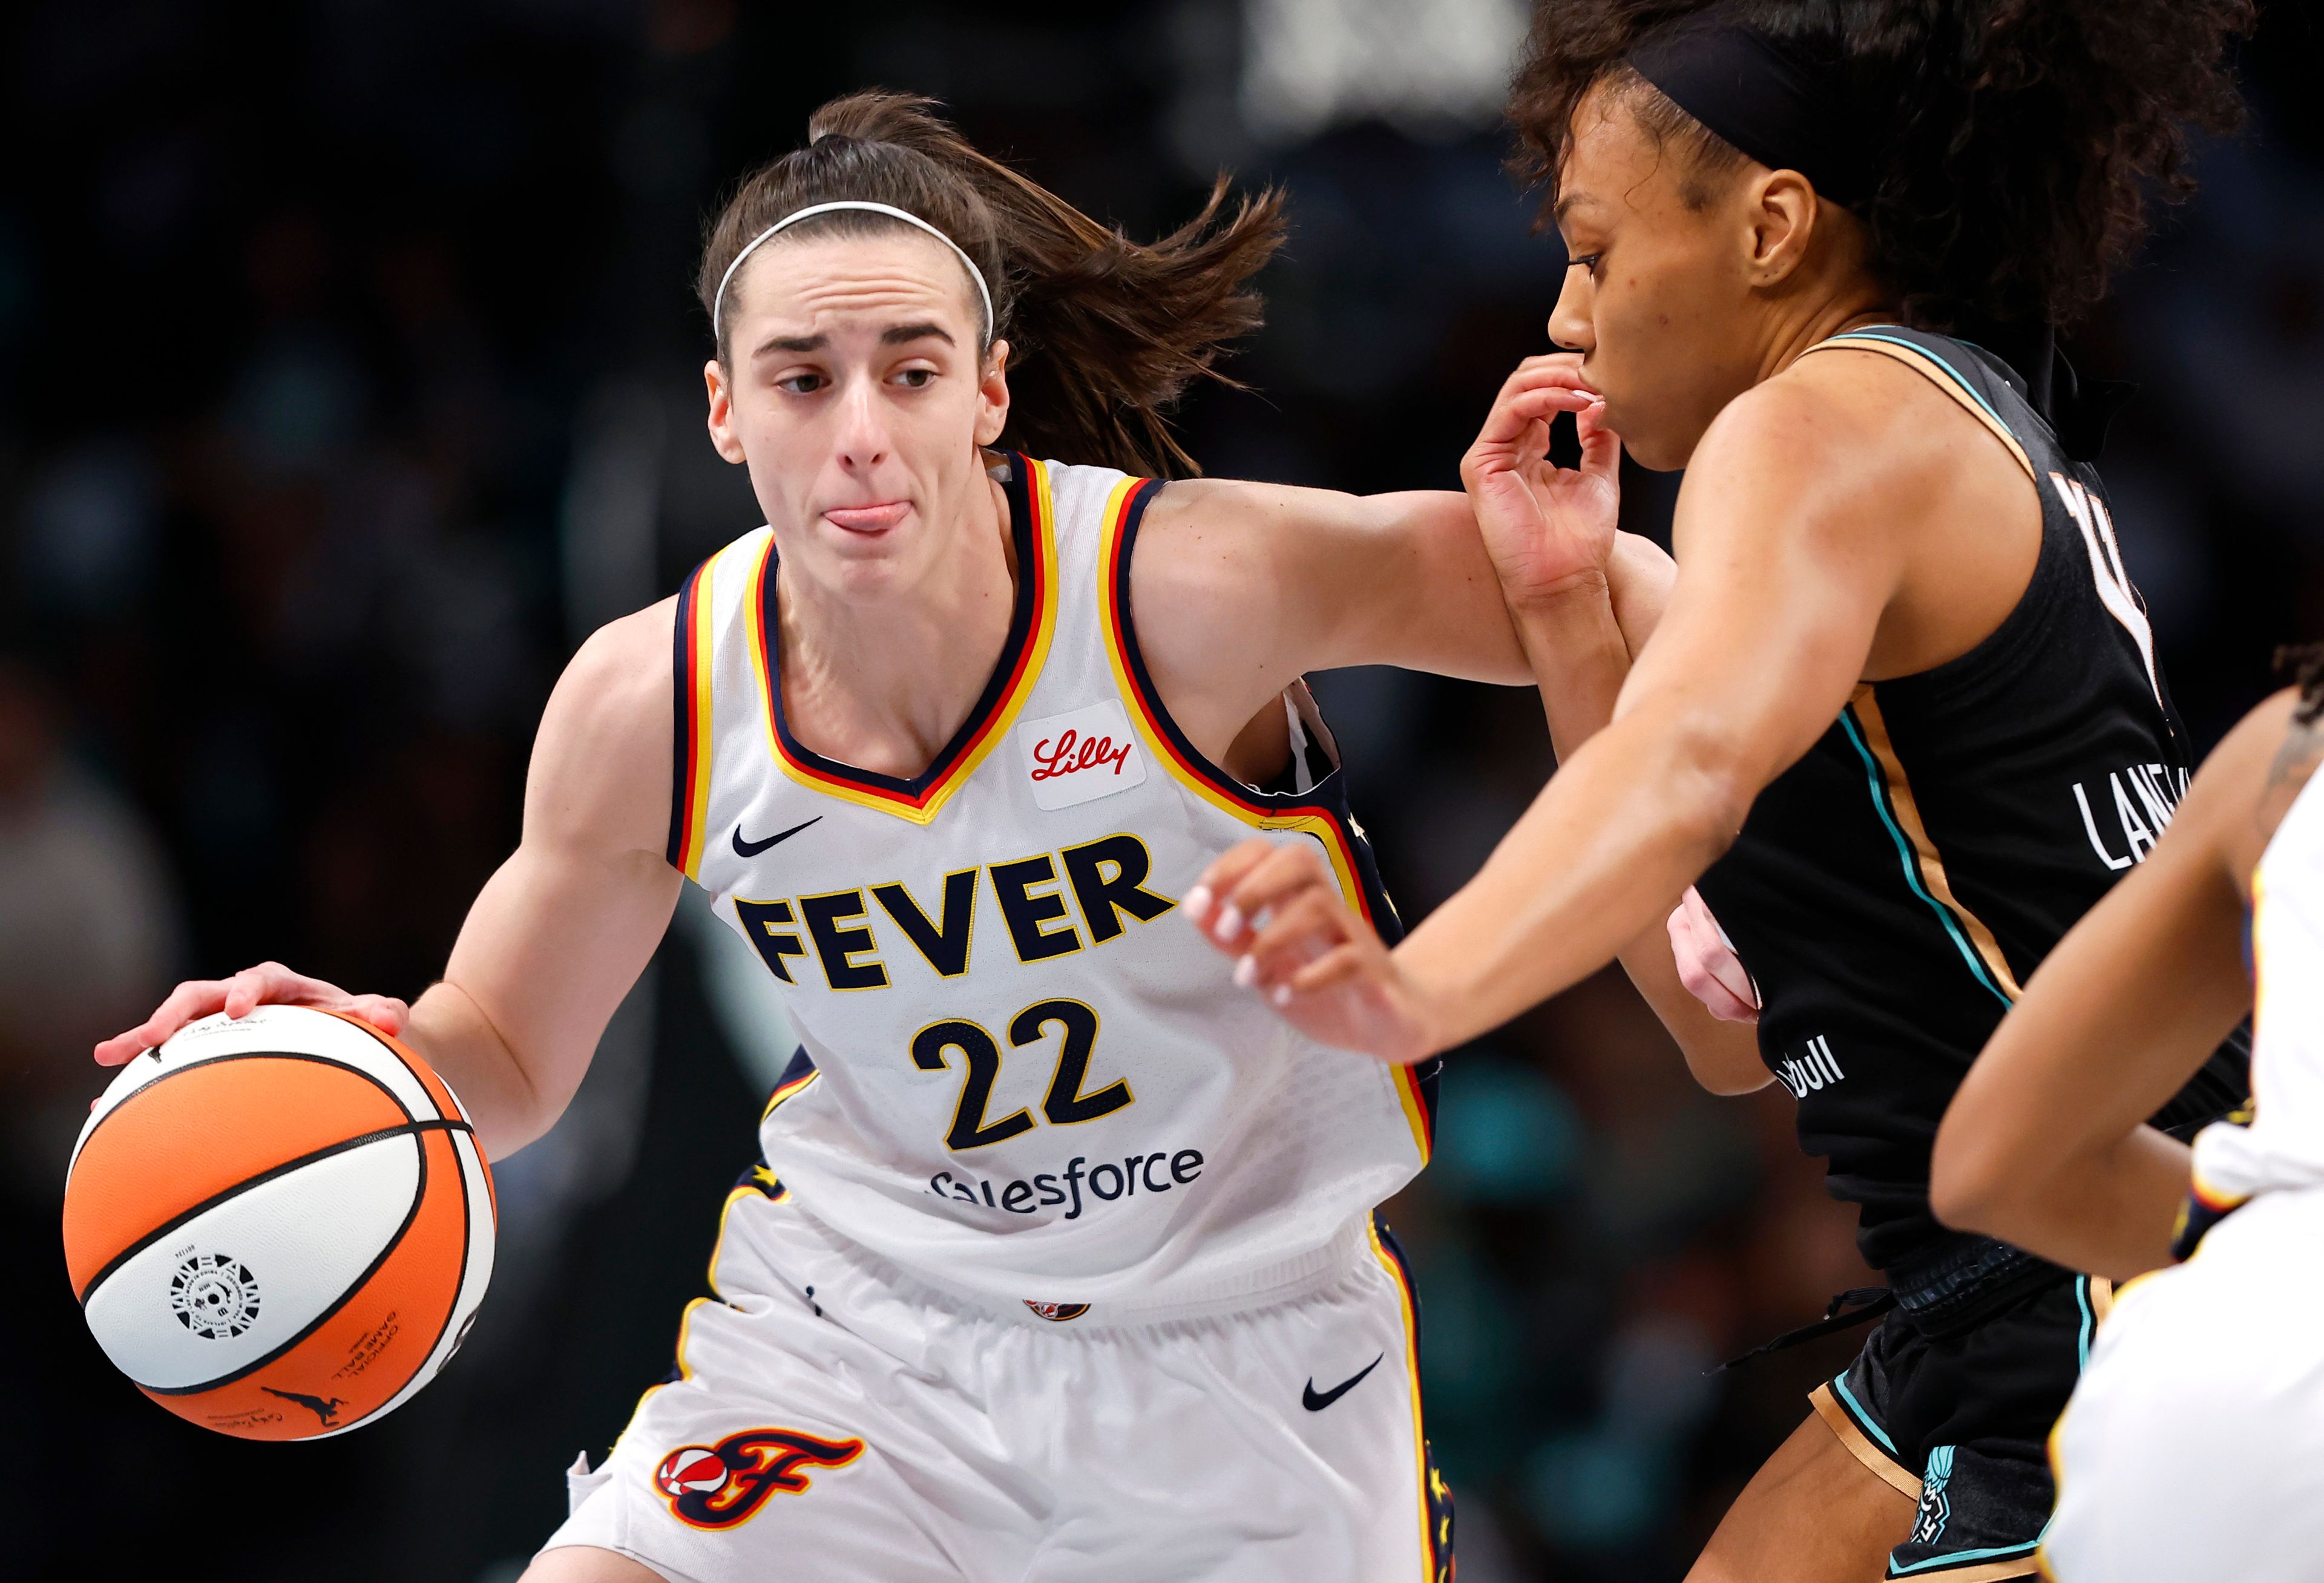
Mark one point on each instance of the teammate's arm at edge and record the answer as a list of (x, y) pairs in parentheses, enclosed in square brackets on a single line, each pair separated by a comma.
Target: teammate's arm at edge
[(2045, 1144)]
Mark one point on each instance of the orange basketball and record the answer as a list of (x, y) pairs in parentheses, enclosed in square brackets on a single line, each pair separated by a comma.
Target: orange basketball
[(279, 1228)]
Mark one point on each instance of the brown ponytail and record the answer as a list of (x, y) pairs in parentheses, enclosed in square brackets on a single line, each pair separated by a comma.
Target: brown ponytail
[(1106, 332)]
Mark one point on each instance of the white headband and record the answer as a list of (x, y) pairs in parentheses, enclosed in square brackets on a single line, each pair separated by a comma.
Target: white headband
[(718, 300)]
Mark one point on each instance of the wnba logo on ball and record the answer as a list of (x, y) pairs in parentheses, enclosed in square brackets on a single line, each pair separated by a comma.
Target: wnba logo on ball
[(213, 1297), (725, 1485)]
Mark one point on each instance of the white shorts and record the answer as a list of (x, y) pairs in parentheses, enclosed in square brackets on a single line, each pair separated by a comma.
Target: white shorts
[(834, 1418), (2193, 1446)]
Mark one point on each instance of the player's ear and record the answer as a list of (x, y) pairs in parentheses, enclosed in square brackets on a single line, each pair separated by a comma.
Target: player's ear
[(722, 412), (1784, 211), (993, 394)]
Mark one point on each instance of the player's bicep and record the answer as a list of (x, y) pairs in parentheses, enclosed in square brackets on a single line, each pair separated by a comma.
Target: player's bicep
[(1410, 585), (1288, 581), (1639, 576), (565, 926), (552, 945), (1783, 580)]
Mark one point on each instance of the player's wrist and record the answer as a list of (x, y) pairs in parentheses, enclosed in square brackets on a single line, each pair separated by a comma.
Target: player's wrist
[(1428, 1020), (1579, 595)]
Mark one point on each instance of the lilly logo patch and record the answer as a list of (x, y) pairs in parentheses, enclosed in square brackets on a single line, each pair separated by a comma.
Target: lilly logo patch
[(1082, 755)]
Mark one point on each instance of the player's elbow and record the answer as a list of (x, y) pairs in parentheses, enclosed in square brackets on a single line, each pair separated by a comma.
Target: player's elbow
[(1711, 781), (1730, 1074), (1974, 1177)]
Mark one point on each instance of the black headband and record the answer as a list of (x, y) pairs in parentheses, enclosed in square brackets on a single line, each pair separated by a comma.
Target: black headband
[(1782, 101), (1789, 104)]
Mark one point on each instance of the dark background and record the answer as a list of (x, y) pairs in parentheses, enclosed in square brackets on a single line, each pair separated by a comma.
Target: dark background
[(349, 375)]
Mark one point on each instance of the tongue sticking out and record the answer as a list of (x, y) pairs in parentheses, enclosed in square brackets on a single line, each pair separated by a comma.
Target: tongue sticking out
[(867, 518)]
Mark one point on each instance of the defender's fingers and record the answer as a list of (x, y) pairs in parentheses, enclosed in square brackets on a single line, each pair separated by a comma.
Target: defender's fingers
[(1332, 970), (1510, 415), (1552, 398), (1601, 448), (1308, 926), (1268, 887), (1561, 367), (1226, 872)]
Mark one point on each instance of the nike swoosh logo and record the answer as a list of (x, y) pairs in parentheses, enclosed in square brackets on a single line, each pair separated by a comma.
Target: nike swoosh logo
[(1316, 1402), (751, 849)]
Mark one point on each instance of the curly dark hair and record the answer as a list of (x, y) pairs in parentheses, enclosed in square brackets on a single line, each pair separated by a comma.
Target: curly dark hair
[(2303, 664), (1107, 333), (2019, 138)]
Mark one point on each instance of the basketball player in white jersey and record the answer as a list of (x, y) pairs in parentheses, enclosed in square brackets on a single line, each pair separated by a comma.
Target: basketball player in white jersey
[(1062, 1262), (2193, 1446)]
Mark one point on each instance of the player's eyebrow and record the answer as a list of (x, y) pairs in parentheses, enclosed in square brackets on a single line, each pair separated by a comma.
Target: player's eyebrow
[(896, 335), (794, 343), (1572, 200)]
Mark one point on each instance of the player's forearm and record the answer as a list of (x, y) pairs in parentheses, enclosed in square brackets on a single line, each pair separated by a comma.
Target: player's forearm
[(2107, 1210), (2044, 1144), (1580, 652), (1722, 1056), (1579, 656), (1416, 591), (453, 1034), (1626, 825)]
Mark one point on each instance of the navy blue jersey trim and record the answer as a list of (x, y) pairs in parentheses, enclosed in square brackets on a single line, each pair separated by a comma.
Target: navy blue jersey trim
[(1328, 797), (1023, 532)]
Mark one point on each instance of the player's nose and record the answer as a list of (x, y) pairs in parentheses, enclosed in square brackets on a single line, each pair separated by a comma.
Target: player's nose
[(864, 438), (1569, 328)]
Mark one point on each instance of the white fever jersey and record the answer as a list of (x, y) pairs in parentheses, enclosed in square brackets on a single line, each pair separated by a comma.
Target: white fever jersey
[(2283, 1146), (1022, 1073)]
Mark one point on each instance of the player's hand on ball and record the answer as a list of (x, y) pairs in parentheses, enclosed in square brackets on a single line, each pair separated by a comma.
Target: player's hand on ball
[(269, 983), (1276, 910), (1546, 528)]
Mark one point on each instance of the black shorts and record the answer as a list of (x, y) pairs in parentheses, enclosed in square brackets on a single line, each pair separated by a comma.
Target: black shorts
[(1961, 1423)]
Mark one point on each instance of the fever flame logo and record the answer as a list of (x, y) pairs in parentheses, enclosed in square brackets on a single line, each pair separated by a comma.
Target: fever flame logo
[(724, 1486)]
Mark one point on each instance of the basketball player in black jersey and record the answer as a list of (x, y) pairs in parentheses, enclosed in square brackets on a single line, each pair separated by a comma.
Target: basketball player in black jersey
[(1902, 718)]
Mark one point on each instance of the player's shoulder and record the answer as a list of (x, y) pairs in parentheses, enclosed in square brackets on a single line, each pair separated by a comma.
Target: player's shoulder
[(2256, 774), (622, 670), (1839, 428), (601, 764), (1837, 400)]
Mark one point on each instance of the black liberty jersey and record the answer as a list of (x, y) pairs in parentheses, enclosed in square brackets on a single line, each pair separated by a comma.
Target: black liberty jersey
[(1892, 890)]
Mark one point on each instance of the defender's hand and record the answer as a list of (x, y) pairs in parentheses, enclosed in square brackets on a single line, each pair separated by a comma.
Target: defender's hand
[(1277, 909), (268, 984), (1546, 528), (1707, 962)]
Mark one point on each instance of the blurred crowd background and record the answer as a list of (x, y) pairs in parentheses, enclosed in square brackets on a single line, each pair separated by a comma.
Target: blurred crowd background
[(349, 375)]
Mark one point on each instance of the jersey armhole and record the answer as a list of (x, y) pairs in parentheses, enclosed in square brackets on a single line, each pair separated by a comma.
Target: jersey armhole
[(690, 741), (1942, 374), (2027, 616)]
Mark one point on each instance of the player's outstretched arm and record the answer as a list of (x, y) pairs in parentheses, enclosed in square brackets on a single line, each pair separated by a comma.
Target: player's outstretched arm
[(558, 934), (1793, 535), (2045, 1144), (1238, 588), (1585, 599)]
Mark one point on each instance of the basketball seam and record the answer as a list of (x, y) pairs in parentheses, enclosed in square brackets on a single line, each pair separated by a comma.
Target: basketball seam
[(114, 1263), (459, 1286), (162, 1077), (419, 1197), (113, 1266), (420, 1072)]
